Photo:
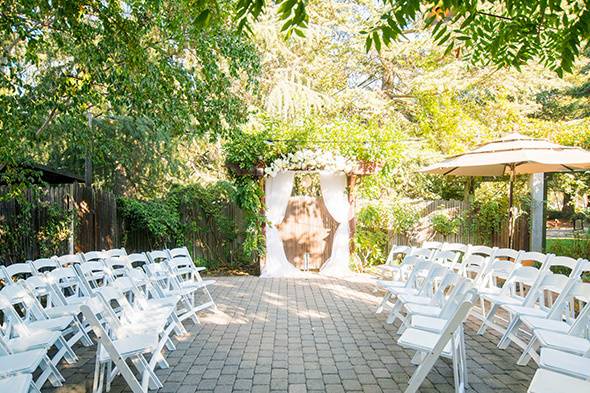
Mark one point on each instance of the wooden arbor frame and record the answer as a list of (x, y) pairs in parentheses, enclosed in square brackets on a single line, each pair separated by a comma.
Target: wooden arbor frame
[(364, 168)]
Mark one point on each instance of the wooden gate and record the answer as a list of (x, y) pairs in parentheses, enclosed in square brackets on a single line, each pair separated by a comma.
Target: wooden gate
[(307, 228)]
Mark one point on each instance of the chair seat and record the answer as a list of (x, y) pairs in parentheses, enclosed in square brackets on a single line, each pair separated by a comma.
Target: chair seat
[(63, 311), (170, 301), (55, 324), (420, 309), (20, 383), (132, 345), (421, 340), (389, 268), (502, 299), (562, 341), (567, 363), (428, 323), (197, 284), (522, 310), (546, 381), (39, 339), (403, 291), (545, 324), (23, 362), (386, 284), (415, 299)]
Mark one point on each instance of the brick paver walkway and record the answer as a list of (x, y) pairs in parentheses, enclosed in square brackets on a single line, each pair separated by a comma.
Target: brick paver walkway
[(306, 335)]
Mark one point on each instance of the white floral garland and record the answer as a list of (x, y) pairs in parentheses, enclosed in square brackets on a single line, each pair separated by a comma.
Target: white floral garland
[(306, 160)]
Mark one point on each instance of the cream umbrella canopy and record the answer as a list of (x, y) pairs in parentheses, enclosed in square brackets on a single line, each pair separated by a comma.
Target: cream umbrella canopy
[(511, 155)]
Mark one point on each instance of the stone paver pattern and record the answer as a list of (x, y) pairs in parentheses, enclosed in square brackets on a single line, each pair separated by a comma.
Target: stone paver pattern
[(306, 335)]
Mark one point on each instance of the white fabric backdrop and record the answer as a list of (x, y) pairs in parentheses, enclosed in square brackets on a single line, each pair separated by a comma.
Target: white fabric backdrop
[(277, 193), (333, 186)]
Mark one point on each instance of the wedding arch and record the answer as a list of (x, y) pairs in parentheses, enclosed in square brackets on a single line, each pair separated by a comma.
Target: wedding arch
[(334, 173)]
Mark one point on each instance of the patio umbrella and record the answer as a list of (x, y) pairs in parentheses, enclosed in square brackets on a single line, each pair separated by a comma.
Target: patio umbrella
[(514, 154)]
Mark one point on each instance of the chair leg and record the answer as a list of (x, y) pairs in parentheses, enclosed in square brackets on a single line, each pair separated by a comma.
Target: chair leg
[(97, 373), (393, 312), (383, 302), (528, 352), (487, 320), (513, 326), (421, 372)]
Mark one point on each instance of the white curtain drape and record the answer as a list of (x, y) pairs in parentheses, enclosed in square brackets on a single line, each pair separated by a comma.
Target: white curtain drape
[(333, 186), (277, 193)]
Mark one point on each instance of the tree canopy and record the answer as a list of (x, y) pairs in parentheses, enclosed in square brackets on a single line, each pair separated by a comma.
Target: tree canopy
[(498, 32), (121, 83)]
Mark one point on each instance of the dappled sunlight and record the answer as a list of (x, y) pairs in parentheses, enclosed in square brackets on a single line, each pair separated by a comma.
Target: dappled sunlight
[(312, 314), (219, 317), (353, 294)]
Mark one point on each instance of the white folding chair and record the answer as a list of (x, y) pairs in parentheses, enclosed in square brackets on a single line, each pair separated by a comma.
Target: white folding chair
[(542, 304), (119, 351), (449, 343), (390, 265), (425, 291), (512, 293), (43, 265), (19, 383), (563, 362), (546, 381), (115, 252), (29, 362), (413, 263)]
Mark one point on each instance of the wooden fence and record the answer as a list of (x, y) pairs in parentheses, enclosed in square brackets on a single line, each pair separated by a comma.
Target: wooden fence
[(94, 222), (307, 228), (201, 236), (464, 234)]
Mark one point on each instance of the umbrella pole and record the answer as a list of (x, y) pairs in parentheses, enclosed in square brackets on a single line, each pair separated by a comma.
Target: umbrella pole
[(510, 214)]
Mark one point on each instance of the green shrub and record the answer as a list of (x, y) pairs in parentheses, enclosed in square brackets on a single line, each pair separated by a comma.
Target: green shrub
[(445, 225)]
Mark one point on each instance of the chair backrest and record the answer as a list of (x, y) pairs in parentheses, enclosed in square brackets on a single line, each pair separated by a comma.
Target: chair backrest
[(106, 342), (435, 272), (553, 292), (422, 252), (178, 252), (69, 259), (448, 282), (521, 278), (420, 266), (115, 252), (532, 258), (67, 284), (446, 258), (396, 251), (456, 247), (157, 256), (474, 266), (456, 296), (92, 256), (432, 245), (95, 274), (138, 259), (118, 265), (43, 265), (17, 271), (483, 251), (507, 254)]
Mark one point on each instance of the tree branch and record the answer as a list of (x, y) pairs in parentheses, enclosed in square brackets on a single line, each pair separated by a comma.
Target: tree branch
[(47, 121)]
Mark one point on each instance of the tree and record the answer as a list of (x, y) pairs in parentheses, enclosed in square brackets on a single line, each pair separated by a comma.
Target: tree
[(499, 32), (123, 83)]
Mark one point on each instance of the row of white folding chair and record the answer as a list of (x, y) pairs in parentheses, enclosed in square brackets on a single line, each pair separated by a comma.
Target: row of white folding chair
[(128, 323), (26, 341), (449, 313), (511, 294), (130, 332)]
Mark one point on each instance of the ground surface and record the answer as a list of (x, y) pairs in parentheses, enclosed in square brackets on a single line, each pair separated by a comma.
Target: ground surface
[(306, 335)]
